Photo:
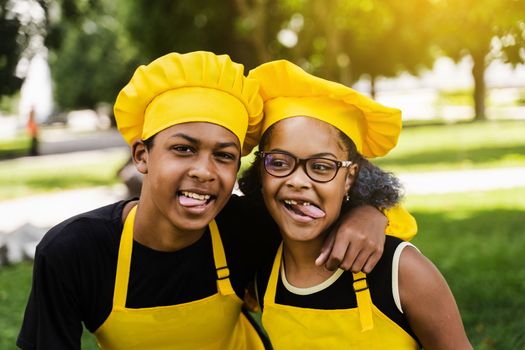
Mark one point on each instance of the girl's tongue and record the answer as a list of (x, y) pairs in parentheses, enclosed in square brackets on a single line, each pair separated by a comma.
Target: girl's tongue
[(308, 210), (191, 202)]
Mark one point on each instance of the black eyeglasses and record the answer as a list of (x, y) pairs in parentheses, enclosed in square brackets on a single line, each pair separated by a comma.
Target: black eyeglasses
[(282, 164)]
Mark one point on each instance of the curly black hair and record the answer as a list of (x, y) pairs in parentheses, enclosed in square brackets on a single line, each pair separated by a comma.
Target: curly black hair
[(375, 187), (372, 185)]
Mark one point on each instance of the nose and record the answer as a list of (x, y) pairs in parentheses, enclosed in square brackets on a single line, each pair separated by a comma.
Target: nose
[(203, 169), (298, 179)]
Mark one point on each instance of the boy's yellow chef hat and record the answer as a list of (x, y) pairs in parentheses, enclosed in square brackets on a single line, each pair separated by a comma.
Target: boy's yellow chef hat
[(193, 87), (289, 91)]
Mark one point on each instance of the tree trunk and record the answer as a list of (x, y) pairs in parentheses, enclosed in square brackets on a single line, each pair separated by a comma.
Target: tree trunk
[(256, 12), (324, 13), (373, 87), (478, 73)]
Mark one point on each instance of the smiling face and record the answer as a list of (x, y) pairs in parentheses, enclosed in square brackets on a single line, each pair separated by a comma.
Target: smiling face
[(303, 208), (189, 175)]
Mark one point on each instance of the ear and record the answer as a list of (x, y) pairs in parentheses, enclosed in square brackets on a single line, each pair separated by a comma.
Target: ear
[(350, 177), (139, 154)]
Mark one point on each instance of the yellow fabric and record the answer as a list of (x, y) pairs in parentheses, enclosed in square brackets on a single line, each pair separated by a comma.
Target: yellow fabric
[(343, 116), (190, 106), (215, 322), (288, 91), (364, 327), (193, 87), (364, 301), (401, 223)]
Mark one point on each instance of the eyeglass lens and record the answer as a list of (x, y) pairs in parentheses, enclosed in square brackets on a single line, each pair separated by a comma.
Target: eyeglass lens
[(318, 169)]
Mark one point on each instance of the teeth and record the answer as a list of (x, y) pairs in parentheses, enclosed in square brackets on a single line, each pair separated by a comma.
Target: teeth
[(292, 202), (201, 197)]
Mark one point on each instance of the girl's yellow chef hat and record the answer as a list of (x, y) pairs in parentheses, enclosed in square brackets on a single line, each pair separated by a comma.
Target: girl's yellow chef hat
[(288, 91), (193, 87)]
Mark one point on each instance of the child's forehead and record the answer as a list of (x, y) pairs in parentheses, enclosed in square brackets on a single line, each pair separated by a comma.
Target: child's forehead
[(305, 134), (200, 132), (297, 127)]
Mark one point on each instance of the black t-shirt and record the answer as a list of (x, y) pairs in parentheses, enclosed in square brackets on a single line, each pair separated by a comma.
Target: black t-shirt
[(75, 264), (341, 295)]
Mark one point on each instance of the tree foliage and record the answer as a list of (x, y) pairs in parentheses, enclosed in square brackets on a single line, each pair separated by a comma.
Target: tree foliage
[(88, 68), (164, 26), (470, 28), (345, 40), (241, 28), (12, 44), (90, 56), (397, 39), (95, 44)]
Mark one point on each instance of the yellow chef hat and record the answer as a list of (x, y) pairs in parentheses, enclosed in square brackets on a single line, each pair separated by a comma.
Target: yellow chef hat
[(289, 91), (193, 87)]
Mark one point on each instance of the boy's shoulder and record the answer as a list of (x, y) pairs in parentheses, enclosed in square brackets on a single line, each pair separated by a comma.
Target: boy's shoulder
[(84, 231)]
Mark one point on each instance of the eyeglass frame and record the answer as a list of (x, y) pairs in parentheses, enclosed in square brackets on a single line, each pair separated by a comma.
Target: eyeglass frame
[(298, 161)]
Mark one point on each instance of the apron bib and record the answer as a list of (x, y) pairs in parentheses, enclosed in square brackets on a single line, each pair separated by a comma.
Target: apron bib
[(364, 327), (215, 322)]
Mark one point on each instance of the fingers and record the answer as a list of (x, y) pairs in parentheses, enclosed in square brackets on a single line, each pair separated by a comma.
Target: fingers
[(325, 250), (333, 262), (344, 251), (372, 261), (362, 255), (340, 246), (356, 243)]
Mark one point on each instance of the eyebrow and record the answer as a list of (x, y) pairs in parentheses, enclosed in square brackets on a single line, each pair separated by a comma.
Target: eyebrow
[(184, 136), (197, 141), (228, 144), (316, 155)]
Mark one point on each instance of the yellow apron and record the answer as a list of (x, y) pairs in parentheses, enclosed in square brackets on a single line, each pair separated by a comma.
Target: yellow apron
[(215, 322), (364, 327)]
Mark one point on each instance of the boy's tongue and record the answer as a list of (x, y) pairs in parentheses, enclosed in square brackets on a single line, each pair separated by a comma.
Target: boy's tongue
[(309, 210), (190, 202)]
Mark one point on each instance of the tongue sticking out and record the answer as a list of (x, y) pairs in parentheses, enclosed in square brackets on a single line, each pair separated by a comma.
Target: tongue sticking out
[(309, 210), (191, 202)]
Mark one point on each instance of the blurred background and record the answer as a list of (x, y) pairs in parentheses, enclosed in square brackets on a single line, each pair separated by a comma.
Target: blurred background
[(454, 67)]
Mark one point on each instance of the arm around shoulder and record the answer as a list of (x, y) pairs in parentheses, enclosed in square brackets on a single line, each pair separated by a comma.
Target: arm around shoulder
[(357, 241), (428, 304)]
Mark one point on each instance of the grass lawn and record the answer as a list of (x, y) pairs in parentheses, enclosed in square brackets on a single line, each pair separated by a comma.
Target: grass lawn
[(458, 146), (424, 147), (15, 147), (476, 240), (420, 148), (20, 177), (15, 282)]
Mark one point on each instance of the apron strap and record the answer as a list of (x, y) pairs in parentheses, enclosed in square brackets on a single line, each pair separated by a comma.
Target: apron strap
[(224, 285), (124, 261), (269, 295), (120, 292), (364, 301)]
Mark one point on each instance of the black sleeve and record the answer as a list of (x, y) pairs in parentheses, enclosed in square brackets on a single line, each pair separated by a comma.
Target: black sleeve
[(73, 279), (52, 318)]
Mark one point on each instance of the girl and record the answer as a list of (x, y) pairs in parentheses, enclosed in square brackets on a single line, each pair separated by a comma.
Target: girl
[(307, 182)]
